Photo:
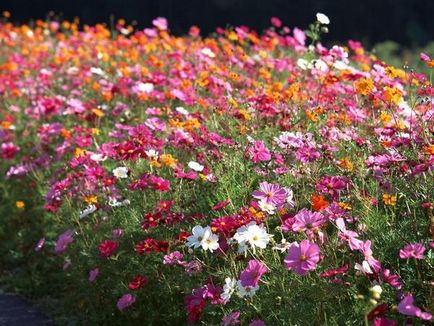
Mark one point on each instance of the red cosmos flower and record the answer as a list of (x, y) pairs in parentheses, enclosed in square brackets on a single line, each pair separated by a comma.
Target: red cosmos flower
[(224, 224), (138, 282), (334, 271), (165, 205), (107, 248), (151, 245), (377, 311), (150, 220), (128, 150), (221, 205), (146, 246), (183, 235), (9, 150)]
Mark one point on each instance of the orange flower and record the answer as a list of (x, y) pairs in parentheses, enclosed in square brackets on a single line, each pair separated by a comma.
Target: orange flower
[(392, 94), (389, 200), (19, 204), (168, 160), (363, 86), (91, 199), (318, 202)]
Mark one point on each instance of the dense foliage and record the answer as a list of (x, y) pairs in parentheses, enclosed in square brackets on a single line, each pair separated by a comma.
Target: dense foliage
[(244, 178)]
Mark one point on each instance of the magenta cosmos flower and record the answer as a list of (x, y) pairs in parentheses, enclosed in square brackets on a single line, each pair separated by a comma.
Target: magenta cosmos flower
[(125, 301), (258, 152), (302, 257), (406, 307), (63, 241), (271, 193), (253, 273), (412, 250)]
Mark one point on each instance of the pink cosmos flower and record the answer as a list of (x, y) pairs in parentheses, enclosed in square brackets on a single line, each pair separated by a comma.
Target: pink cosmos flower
[(271, 193), (173, 258), (406, 307), (160, 23), (307, 154), (125, 301), (93, 274), (40, 244), (348, 235), (412, 250), (365, 248), (306, 220), (302, 257), (231, 319), (393, 279), (258, 152), (331, 186), (117, 233), (276, 22), (424, 57), (257, 322), (253, 273), (63, 241)]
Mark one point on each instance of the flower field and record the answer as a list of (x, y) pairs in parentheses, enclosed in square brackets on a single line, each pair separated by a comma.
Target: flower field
[(242, 178)]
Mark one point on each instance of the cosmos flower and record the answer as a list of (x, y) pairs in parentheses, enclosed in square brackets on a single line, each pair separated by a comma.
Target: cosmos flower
[(253, 273), (63, 241), (125, 301), (203, 237), (302, 257), (323, 19), (252, 235), (412, 250), (271, 193), (228, 289), (121, 172), (406, 307)]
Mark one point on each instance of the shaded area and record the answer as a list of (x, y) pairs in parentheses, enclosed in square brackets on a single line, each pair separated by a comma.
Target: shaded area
[(407, 22), (15, 311)]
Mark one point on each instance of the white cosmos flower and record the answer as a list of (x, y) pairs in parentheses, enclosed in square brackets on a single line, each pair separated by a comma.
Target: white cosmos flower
[(267, 207), (290, 197), (303, 63), (228, 289), (97, 71), (181, 110), (210, 240), (195, 239), (115, 203), (145, 87), (152, 154), (320, 65), (203, 237), (121, 172), (208, 52), (87, 211), (323, 19), (252, 235), (283, 245), (248, 291), (98, 157), (195, 166), (365, 268)]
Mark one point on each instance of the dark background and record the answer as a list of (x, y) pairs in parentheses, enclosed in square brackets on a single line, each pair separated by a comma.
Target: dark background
[(408, 22)]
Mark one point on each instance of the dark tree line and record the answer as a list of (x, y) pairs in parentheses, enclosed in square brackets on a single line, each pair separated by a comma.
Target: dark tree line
[(409, 22)]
